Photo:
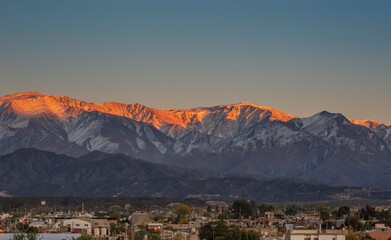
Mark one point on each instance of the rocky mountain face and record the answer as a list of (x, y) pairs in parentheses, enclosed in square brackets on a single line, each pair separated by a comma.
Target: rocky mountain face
[(237, 139), (31, 172)]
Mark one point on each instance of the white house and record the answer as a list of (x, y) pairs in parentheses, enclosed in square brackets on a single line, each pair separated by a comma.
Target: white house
[(74, 226)]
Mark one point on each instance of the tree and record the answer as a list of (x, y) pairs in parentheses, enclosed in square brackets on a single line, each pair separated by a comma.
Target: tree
[(22, 227), (352, 236), (353, 222), (218, 230), (368, 212), (115, 214), (209, 209), (292, 210), (241, 208), (183, 211), (211, 230), (31, 236), (178, 236), (114, 229), (324, 212), (18, 236), (343, 211), (32, 230), (139, 235), (84, 237), (264, 208), (25, 236)]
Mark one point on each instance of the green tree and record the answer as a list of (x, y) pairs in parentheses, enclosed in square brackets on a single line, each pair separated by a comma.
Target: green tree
[(32, 230), (18, 236), (263, 208), (353, 222), (241, 208), (343, 211), (218, 230), (211, 230), (22, 227), (292, 210), (139, 235), (209, 209), (25, 236), (115, 214), (352, 236), (32, 236), (114, 229), (183, 212), (368, 212), (84, 237), (324, 215), (178, 236), (324, 212)]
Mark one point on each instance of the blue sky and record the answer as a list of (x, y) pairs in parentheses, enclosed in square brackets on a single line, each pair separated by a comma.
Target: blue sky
[(298, 56)]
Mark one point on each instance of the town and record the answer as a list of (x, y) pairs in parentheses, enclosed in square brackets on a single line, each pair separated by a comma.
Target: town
[(212, 220)]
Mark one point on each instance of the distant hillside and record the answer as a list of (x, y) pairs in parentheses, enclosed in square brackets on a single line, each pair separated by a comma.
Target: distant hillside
[(31, 172)]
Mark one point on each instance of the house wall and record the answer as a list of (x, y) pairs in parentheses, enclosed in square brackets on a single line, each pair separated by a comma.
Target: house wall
[(316, 237), (75, 225)]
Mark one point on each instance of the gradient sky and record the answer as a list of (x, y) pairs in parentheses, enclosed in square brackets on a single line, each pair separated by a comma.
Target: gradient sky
[(301, 57)]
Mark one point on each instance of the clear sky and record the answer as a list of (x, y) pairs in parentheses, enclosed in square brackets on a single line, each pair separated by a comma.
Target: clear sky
[(301, 57)]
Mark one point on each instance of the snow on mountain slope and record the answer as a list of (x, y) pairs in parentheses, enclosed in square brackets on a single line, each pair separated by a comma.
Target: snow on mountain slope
[(338, 130), (234, 138), (64, 125), (112, 134), (187, 131), (209, 126), (384, 132)]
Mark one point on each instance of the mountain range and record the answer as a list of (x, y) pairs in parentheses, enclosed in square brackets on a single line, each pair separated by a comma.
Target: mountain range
[(32, 172), (235, 139)]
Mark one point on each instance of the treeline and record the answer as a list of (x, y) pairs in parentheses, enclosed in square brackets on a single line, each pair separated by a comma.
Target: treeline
[(220, 231), (20, 204)]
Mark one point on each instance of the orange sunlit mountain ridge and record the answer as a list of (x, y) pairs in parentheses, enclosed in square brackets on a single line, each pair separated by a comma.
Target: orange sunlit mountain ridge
[(29, 104)]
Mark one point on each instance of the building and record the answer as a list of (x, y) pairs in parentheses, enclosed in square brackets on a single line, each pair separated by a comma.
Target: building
[(95, 227), (74, 226), (42, 226), (140, 218), (316, 234), (99, 227), (155, 226)]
